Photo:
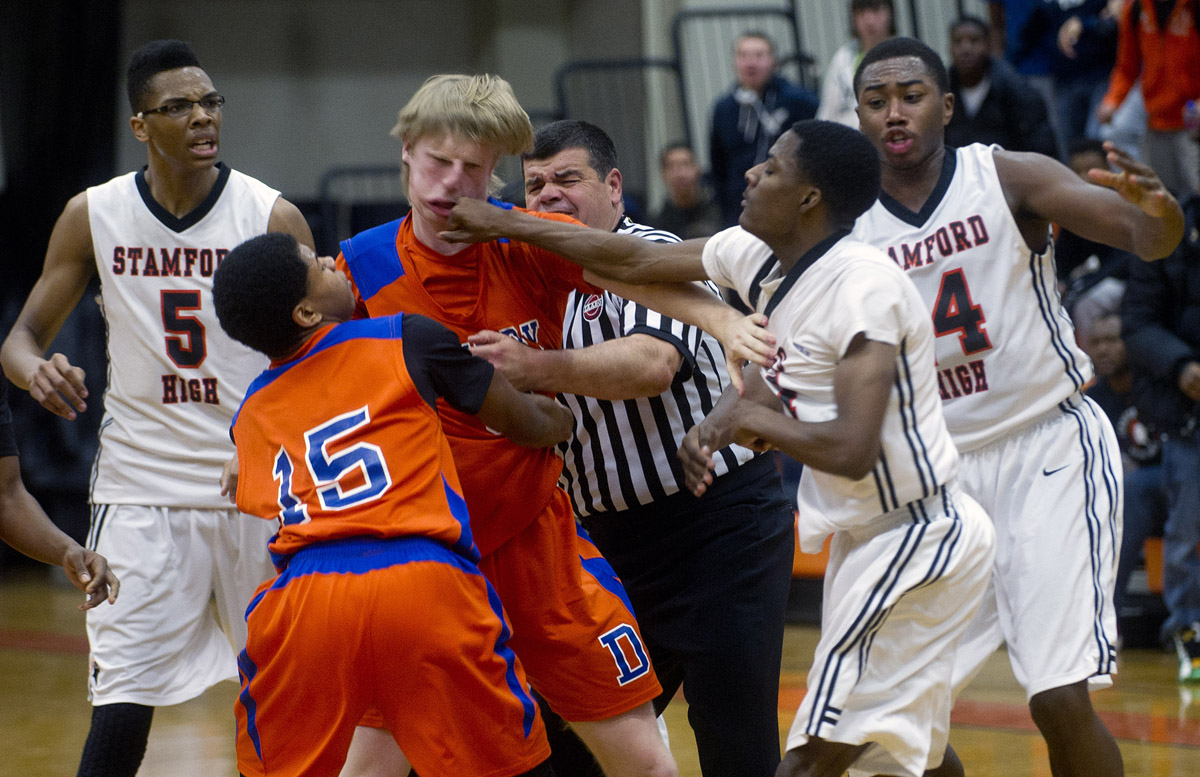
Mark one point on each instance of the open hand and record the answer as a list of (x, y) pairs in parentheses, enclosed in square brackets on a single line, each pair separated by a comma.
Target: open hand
[(1136, 182)]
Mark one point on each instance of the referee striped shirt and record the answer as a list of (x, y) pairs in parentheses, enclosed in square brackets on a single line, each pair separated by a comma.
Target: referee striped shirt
[(622, 455)]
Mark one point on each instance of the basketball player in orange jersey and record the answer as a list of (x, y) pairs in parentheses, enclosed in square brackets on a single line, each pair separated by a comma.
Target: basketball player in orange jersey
[(572, 624), (379, 600)]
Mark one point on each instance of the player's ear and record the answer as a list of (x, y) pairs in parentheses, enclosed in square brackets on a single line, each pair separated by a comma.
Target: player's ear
[(811, 200), (305, 315), (138, 125), (947, 107)]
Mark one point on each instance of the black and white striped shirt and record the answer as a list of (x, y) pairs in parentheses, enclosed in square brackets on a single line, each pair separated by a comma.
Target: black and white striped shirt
[(623, 453)]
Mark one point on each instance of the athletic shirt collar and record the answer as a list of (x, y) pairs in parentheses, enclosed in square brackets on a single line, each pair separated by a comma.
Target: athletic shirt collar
[(918, 219), (168, 219)]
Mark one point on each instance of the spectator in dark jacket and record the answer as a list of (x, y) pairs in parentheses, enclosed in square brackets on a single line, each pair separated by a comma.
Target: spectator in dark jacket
[(992, 104), (1161, 329), (1086, 33), (689, 209), (745, 122)]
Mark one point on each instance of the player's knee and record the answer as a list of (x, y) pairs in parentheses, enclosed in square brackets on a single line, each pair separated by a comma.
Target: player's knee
[(1063, 709)]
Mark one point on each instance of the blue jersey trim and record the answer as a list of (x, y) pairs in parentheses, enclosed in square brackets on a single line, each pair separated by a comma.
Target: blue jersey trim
[(372, 258), (382, 328)]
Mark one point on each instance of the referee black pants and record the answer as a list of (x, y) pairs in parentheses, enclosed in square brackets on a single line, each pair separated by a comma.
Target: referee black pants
[(708, 579)]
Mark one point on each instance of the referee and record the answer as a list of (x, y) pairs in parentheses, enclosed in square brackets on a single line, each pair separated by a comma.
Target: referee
[(708, 577)]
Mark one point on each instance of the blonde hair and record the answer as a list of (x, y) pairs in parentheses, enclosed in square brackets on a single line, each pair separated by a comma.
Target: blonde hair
[(480, 108)]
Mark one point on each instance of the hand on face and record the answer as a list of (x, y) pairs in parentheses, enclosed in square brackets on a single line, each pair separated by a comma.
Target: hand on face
[(474, 221)]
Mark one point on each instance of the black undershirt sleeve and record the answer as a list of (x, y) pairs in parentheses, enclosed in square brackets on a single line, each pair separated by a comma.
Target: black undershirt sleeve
[(441, 367)]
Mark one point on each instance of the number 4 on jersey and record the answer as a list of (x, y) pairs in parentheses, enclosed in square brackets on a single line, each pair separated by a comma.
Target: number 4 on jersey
[(955, 312)]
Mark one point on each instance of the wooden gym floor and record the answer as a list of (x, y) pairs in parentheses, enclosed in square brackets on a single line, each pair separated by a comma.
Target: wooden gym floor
[(44, 712)]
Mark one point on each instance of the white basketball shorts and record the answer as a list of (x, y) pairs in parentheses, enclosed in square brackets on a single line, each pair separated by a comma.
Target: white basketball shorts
[(1053, 491), (162, 643), (898, 596)]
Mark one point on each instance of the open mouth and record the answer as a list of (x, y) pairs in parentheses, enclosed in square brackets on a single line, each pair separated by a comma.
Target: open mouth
[(205, 147), (898, 142)]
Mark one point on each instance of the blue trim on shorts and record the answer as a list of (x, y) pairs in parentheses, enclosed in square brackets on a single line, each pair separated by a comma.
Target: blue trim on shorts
[(359, 555), (599, 568), (249, 670), (510, 659), (458, 508)]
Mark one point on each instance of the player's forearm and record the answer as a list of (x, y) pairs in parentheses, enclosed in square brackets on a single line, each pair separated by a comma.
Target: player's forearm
[(824, 446), (20, 356), (624, 368), (1156, 237), (682, 301), (27, 528)]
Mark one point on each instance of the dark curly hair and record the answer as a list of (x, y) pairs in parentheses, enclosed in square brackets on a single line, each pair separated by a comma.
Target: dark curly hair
[(149, 60), (256, 287), (892, 48), (842, 163)]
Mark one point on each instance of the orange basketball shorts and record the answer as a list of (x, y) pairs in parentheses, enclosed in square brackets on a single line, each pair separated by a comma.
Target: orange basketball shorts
[(405, 626), (573, 625)]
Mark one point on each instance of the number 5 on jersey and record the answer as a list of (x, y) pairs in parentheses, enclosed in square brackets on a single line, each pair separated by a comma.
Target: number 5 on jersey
[(331, 471), (955, 312)]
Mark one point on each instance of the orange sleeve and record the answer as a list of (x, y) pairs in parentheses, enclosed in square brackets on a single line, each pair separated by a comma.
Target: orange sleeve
[(1129, 59), (564, 273)]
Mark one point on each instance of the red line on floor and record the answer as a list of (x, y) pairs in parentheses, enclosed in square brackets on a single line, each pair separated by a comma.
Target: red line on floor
[(44, 641)]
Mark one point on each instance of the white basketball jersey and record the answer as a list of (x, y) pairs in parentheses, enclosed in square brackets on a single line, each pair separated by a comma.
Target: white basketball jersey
[(1006, 349), (845, 287), (175, 378)]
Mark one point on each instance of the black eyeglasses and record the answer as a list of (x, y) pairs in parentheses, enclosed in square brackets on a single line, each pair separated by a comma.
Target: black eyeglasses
[(177, 109)]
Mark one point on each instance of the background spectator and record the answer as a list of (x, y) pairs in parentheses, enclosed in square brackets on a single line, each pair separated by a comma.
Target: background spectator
[(1160, 317), (1086, 35), (748, 120), (1158, 40), (871, 21), (1029, 52), (689, 209), (1141, 450), (992, 104), (1083, 263)]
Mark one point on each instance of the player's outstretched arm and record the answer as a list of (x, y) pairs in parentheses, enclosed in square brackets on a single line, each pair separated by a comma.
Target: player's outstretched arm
[(1129, 209), (638, 365), (27, 528), (532, 420), (607, 254), (745, 338), (55, 383)]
